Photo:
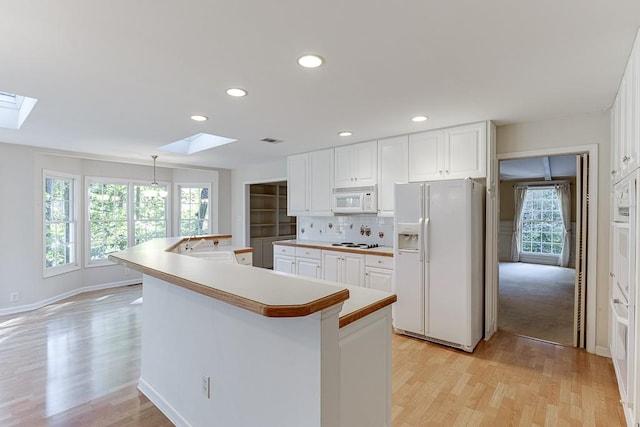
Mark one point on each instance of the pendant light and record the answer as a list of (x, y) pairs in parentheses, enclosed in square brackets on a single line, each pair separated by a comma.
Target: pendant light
[(156, 190)]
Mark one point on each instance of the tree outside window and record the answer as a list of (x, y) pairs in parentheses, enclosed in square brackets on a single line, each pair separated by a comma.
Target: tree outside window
[(149, 212), (542, 227), (59, 222), (194, 211), (108, 219)]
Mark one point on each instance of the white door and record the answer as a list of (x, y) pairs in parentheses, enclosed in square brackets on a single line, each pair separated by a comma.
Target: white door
[(321, 182), (331, 265), (393, 168), (343, 171), (308, 268), (365, 158), (408, 285), (297, 203), (286, 264), (426, 156), (378, 278), (353, 269), (465, 153)]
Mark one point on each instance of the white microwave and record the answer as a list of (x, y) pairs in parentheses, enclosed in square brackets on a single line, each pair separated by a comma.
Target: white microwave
[(355, 200)]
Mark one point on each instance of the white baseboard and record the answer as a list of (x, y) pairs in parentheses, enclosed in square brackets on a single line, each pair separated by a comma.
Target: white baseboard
[(40, 304), (603, 351), (164, 406)]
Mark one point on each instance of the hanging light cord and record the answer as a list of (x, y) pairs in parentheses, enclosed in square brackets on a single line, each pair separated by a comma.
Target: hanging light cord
[(154, 183)]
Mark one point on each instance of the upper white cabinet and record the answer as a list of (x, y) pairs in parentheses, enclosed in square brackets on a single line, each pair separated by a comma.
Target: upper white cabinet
[(453, 153), (310, 181), (356, 165), (625, 120), (393, 167)]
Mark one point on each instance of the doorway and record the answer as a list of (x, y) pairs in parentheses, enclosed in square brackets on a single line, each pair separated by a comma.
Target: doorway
[(542, 212)]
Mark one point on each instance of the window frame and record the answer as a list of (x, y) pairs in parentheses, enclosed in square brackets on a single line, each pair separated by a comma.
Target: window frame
[(541, 255), (177, 206), (75, 202), (131, 221)]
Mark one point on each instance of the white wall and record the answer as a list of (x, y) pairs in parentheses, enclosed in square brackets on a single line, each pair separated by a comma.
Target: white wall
[(566, 132), (240, 177), (21, 227)]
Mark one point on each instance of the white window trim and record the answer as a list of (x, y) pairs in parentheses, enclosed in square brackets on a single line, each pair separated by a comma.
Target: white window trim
[(213, 205), (76, 265), (131, 238), (89, 263)]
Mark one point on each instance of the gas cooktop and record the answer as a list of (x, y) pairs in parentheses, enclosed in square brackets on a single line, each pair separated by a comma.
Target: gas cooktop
[(356, 245)]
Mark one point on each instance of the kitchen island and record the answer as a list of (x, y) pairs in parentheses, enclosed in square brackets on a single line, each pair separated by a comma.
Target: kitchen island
[(227, 344)]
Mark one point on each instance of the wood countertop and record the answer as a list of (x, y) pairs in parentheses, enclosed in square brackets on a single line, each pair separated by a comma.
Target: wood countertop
[(379, 251), (268, 293)]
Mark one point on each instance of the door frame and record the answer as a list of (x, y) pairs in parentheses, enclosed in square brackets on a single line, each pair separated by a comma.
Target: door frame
[(491, 309)]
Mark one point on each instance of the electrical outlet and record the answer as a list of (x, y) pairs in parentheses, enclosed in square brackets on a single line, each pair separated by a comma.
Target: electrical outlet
[(205, 386), (14, 296)]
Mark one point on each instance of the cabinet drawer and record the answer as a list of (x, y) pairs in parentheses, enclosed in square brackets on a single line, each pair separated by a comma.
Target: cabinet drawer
[(284, 250), (245, 258), (308, 253), (379, 261)]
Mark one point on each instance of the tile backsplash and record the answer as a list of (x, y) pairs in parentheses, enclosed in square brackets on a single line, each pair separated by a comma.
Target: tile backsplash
[(347, 228)]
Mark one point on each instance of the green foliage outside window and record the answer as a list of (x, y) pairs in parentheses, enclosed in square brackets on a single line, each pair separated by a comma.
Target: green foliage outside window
[(59, 222), (149, 212), (194, 211), (107, 219), (542, 227)]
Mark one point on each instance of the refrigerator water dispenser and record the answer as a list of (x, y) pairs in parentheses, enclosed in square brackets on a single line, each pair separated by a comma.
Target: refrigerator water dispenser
[(408, 236)]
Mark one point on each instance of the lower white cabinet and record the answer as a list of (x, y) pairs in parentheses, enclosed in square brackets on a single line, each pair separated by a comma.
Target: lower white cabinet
[(245, 258), (378, 272), (343, 267), (286, 264), (309, 262)]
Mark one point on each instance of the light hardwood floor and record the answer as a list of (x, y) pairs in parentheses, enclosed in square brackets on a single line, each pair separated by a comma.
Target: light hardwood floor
[(76, 363)]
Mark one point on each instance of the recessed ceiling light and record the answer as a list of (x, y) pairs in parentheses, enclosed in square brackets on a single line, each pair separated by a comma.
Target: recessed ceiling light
[(199, 118), (419, 118), (310, 61), (345, 133), (236, 91)]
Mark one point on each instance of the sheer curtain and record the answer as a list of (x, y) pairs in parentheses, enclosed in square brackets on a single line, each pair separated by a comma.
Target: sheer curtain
[(564, 197), (520, 192)]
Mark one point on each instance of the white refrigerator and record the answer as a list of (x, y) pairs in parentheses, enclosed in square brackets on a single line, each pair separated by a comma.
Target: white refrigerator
[(439, 262)]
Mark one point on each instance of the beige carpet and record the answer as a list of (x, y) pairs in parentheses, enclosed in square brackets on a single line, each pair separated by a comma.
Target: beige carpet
[(537, 301)]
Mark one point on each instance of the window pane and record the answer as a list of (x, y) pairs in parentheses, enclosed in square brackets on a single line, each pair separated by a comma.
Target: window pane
[(194, 211), (59, 222), (108, 219), (150, 212), (542, 227)]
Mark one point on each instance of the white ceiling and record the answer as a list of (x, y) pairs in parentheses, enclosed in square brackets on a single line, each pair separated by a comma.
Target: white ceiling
[(121, 78)]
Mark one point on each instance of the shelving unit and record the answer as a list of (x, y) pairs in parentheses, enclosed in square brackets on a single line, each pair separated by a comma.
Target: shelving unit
[(268, 220)]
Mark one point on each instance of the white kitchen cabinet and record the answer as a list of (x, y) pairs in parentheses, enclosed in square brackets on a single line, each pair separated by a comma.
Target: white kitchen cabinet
[(453, 153), (245, 258), (309, 262), (310, 182), (393, 167), (356, 165), (285, 264), (343, 267), (378, 273)]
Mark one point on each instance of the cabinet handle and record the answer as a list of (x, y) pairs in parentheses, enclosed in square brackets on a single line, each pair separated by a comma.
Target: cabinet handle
[(614, 172), (379, 262), (626, 158), (440, 172), (612, 275), (446, 172)]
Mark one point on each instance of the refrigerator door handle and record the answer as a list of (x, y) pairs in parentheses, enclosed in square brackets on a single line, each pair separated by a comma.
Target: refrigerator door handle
[(420, 240), (425, 240)]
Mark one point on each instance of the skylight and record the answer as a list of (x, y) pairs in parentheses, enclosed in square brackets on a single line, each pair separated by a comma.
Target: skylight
[(14, 109), (195, 143)]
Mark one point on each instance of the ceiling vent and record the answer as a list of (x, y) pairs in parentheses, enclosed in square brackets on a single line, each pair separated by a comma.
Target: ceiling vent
[(272, 140)]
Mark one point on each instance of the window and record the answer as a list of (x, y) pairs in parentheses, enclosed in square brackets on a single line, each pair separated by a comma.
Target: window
[(123, 214), (542, 227), (60, 223), (149, 212), (108, 218), (194, 210)]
